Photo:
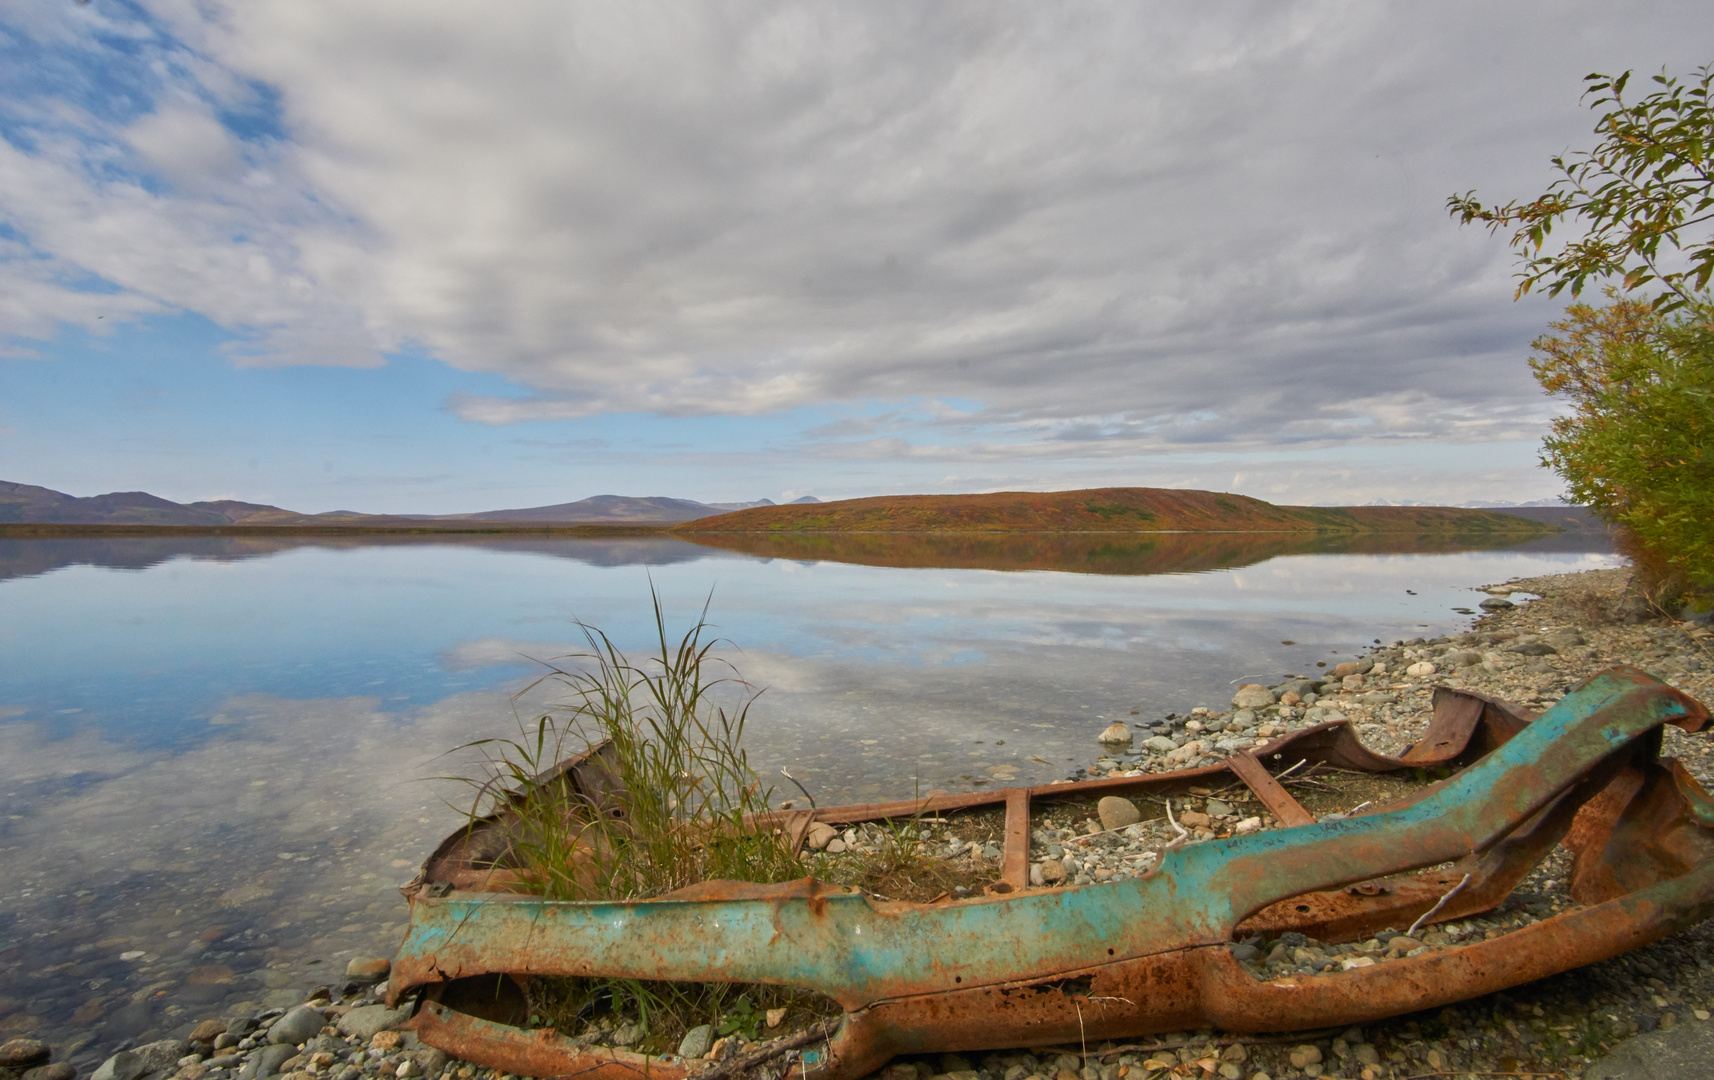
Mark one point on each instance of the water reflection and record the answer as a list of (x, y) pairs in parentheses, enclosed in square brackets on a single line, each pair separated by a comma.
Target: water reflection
[(1094, 553), (213, 760)]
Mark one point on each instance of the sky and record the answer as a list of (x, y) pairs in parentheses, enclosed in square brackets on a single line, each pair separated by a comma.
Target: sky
[(443, 257)]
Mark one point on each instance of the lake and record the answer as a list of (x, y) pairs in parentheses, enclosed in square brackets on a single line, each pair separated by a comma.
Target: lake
[(218, 754)]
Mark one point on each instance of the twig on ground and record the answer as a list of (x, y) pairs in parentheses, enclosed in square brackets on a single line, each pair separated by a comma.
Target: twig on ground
[(1182, 834), (1438, 904)]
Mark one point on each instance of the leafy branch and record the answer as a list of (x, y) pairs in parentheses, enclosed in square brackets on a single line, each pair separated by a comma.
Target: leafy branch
[(1648, 183)]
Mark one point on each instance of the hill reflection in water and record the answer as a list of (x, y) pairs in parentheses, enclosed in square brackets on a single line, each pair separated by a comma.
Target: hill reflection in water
[(1107, 553), (1126, 554), (31, 556)]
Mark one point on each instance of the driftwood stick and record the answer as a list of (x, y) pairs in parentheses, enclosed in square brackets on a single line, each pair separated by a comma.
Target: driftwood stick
[(768, 1051)]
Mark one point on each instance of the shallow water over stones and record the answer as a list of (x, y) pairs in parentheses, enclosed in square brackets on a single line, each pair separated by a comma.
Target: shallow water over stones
[(213, 763)]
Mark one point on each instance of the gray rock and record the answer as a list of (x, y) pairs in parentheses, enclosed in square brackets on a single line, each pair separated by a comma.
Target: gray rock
[(1116, 813), (432, 1061), (1299, 686), (59, 1070), (241, 1026), (151, 1057), (1243, 720), (1217, 808), (1564, 639), (298, 1026), (365, 1020), (1161, 744), (696, 1041), (267, 1061), (1682, 1051), (1532, 648), (1459, 657), (1494, 603)]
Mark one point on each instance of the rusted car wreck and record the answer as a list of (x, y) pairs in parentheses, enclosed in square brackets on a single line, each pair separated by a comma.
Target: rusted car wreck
[(1024, 967)]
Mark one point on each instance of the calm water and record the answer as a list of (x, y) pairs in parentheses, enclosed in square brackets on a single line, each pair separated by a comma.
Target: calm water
[(215, 754)]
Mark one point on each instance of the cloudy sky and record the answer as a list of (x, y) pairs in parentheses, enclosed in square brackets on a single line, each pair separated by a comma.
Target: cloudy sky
[(434, 256)]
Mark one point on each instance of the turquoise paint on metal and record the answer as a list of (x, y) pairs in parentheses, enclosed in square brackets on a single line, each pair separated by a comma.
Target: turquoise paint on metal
[(860, 951)]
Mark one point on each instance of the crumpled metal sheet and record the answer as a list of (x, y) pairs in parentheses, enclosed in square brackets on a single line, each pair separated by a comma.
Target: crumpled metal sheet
[(1152, 953)]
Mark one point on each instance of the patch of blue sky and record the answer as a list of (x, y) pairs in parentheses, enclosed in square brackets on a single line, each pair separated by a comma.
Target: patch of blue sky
[(110, 76), (115, 68), (258, 118)]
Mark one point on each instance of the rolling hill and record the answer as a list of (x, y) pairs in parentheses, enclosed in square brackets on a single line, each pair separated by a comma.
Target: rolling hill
[(1104, 510)]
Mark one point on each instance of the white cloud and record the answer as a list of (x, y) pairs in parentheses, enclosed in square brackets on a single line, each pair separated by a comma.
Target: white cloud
[(1128, 226)]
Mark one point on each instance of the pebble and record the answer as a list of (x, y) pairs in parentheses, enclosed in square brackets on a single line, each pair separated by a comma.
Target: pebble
[(696, 1041)]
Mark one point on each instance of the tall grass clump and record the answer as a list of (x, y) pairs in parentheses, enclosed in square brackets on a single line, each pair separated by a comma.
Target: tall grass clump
[(678, 812)]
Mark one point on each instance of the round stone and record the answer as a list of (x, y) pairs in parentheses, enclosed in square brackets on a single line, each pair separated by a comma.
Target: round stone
[(1116, 812), (1115, 733)]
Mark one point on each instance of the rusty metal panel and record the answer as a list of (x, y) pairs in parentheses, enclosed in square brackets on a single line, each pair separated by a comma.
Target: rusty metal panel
[(1016, 866), (1148, 954), (1272, 793)]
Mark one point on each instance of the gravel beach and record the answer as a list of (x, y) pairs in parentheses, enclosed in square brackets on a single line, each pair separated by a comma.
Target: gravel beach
[(1538, 638)]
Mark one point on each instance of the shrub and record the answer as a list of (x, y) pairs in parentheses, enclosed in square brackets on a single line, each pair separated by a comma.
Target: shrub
[(1638, 446)]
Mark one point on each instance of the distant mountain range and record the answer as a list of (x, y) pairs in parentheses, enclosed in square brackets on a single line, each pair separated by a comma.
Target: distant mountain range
[(27, 504)]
